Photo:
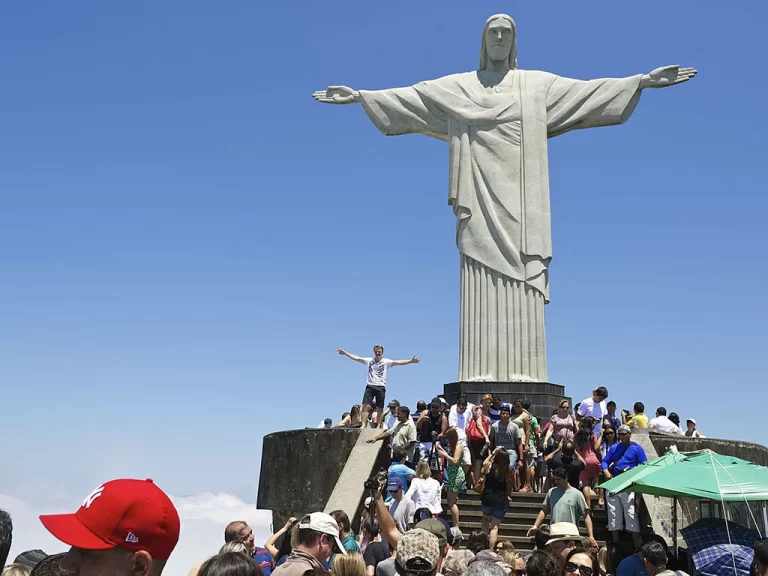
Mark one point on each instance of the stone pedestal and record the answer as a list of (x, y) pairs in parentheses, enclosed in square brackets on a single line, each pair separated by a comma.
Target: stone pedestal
[(544, 397)]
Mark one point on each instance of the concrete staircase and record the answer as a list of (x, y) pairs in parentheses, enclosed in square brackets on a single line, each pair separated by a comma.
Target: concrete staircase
[(519, 518)]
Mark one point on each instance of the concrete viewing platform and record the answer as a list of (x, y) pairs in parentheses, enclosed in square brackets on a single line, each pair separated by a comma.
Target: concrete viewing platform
[(314, 469)]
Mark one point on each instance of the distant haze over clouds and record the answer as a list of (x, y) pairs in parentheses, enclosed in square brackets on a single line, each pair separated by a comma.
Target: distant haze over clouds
[(203, 518)]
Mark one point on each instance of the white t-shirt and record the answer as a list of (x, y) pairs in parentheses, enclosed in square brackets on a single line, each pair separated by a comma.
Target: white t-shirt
[(403, 512), (460, 421), (594, 409), (664, 424), (377, 372)]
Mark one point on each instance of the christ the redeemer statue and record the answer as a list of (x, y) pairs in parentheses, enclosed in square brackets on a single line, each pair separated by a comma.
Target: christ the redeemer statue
[(496, 122)]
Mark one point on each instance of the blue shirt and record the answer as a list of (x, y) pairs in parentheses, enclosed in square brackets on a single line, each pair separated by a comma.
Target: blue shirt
[(401, 471), (614, 420), (631, 566), (629, 457), (350, 545), (264, 558)]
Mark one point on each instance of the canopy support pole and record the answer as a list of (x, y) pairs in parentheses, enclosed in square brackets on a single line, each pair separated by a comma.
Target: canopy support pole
[(674, 526)]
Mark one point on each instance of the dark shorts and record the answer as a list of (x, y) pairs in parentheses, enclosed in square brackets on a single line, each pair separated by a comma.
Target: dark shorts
[(374, 393), (475, 447), (497, 513)]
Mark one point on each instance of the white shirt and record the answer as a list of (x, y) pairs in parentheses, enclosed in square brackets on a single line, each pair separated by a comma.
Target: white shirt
[(460, 421), (390, 420), (594, 409), (377, 372), (664, 424), (426, 494)]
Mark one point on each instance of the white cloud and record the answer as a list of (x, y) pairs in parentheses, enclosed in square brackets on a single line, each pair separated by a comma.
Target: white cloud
[(203, 518)]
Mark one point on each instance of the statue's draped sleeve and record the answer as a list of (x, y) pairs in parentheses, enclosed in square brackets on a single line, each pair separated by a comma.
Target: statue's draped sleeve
[(575, 104), (403, 111)]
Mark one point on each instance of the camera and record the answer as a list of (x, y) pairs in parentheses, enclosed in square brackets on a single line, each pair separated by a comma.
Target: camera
[(376, 481), (435, 435)]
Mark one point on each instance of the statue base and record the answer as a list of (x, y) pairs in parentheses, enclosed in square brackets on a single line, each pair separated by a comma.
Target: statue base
[(543, 396)]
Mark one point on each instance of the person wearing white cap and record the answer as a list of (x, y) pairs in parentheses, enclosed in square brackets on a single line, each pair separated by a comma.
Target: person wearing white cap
[(318, 540), (622, 456), (691, 430)]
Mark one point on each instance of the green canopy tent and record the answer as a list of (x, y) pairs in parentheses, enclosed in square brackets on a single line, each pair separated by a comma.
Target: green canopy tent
[(704, 474), (622, 481)]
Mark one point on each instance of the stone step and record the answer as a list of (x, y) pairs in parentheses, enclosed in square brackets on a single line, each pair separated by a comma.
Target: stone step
[(472, 495), (523, 545), (517, 508), (518, 517), (511, 528)]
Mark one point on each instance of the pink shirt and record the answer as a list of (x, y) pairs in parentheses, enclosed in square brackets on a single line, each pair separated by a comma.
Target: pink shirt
[(562, 428)]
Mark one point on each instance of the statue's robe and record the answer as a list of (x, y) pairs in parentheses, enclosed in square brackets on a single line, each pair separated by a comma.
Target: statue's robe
[(498, 186)]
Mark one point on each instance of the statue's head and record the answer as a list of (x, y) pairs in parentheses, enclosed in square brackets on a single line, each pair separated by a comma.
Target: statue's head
[(499, 42)]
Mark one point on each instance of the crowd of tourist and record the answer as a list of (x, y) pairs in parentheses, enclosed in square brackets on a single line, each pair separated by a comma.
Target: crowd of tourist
[(130, 528), (496, 449)]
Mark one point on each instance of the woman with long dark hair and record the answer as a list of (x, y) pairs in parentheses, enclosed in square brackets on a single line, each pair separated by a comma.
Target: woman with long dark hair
[(352, 418), (588, 447), (495, 485), (280, 553), (455, 470), (609, 439), (477, 433)]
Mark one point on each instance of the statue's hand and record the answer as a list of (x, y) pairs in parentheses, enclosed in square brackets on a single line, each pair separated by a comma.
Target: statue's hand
[(667, 76), (336, 95)]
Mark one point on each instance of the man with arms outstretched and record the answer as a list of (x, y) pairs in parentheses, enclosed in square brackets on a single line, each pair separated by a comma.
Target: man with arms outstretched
[(376, 385)]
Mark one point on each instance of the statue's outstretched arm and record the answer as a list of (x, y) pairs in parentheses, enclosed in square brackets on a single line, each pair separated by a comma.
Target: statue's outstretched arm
[(337, 95), (667, 76)]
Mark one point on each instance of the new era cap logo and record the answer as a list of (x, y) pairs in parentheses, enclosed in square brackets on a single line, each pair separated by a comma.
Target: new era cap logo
[(92, 496), (132, 538)]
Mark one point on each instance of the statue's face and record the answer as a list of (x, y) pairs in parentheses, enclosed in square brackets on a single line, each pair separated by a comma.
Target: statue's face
[(499, 40)]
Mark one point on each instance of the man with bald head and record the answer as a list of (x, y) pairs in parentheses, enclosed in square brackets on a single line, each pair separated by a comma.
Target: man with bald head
[(240, 531)]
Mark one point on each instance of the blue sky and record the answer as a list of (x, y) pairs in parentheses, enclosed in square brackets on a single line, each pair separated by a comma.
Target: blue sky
[(186, 237)]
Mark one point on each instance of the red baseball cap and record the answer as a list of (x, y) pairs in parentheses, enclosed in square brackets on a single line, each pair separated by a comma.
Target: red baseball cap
[(130, 514)]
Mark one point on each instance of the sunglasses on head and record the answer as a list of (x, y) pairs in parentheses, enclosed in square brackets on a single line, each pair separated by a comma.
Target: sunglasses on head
[(582, 570)]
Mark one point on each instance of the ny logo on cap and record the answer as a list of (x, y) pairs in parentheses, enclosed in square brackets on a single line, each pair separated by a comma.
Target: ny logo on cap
[(92, 496), (132, 538)]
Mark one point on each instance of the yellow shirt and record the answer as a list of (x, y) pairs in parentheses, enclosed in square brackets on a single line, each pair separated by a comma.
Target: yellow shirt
[(638, 421)]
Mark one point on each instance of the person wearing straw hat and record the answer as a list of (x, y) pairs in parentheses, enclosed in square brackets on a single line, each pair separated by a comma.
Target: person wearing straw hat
[(563, 537)]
